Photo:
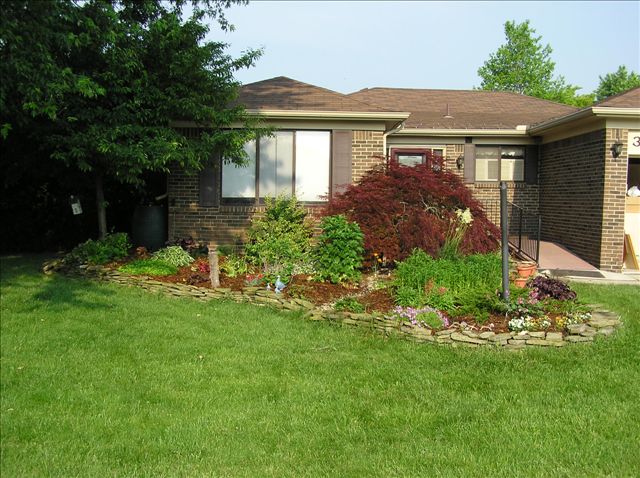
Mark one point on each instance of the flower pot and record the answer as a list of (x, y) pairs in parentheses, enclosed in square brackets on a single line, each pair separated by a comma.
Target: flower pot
[(520, 282), (526, 269)]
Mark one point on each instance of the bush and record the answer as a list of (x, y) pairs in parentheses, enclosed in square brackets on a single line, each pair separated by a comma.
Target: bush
[(280, 242), (113, 247), (401, 208), (151, 267), (173, 255), (460, 286), (547, 288), (234, 265), (339, 251)]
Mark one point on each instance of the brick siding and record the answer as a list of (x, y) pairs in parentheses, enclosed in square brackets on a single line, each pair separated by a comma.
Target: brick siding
[(367, 152), (582, 194), (228, 224)]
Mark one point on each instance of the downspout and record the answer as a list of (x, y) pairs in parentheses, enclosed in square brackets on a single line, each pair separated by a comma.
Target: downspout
[(394, 129)]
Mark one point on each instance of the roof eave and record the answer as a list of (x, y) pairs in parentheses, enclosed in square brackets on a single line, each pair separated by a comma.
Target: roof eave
[(601, 111), (461, 132), (335, 115)]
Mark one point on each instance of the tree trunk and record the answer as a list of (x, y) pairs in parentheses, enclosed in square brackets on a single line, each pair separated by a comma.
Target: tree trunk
[(100, 206)]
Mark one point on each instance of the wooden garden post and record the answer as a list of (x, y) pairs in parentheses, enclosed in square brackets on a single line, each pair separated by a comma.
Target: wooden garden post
[(214, 270)]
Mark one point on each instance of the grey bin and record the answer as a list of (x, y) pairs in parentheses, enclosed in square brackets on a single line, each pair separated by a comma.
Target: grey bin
[(149, 227)]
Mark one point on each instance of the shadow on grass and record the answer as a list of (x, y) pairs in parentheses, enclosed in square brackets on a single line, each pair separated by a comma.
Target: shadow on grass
[(21, 275)]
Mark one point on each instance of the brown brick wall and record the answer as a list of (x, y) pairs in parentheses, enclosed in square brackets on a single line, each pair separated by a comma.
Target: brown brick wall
[(367, 152), (582, 197), (615, 189), (228, 224)]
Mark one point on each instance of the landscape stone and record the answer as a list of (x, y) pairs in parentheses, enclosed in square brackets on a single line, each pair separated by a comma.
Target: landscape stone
[(546, 343), (554, 335), (470, 333), (606, 331), (600, 323), (487, 335), (501, 337), (446, 332), (576, 329), (589, 332), (458, 337), (538, 335), (578, 338)]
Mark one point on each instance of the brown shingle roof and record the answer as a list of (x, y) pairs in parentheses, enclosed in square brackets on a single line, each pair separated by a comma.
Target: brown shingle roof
[(626, 99), (470, 109), (283, 93)]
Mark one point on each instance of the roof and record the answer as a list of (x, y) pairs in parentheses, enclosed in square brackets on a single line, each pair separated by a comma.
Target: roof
[(626, 99), (469, 109), (282, 93)]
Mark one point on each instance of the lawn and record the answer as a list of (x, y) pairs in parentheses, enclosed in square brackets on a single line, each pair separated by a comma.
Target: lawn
[(104, 380)]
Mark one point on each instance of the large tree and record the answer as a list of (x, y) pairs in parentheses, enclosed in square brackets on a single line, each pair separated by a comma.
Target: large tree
[(617, 82), (102, 83), (523, 65)]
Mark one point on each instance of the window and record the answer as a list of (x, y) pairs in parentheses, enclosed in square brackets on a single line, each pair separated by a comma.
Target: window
[(499, 163), (290, 162), (411, 157)]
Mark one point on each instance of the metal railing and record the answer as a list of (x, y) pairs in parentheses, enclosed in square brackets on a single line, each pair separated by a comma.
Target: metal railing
[(524, 228)]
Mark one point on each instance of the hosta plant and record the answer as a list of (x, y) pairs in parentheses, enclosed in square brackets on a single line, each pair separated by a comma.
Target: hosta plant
[(174, 255)]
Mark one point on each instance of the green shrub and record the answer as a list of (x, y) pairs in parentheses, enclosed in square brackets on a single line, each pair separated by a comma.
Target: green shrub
[(113, 247), (150, 267), (280, 241), (339, 251), (234, 265), (349, 304), (173, 255), (460, 286)]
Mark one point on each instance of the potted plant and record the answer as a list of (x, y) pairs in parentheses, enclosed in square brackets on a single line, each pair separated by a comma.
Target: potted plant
[(526, 268)]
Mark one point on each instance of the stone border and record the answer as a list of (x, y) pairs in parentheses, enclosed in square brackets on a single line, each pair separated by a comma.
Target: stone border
[(602, 322)]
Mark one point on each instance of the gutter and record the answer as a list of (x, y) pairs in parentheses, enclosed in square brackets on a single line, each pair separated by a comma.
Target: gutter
[(518, 131), (306, 114), (396, 128)]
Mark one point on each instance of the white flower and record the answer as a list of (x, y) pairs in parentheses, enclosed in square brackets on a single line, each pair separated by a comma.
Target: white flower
[(465, 216)]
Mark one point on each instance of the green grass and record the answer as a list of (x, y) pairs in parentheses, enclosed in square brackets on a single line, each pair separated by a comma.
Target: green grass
[(103, 380), (151, 267)]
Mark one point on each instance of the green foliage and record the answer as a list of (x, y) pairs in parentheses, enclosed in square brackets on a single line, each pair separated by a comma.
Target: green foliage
[(150, 267), (280, 241), (349, 304), (99, 82), (173, 255), (338, 253), (618, 82), (460, 286), (111, 248), (523, 65), (234, 265)]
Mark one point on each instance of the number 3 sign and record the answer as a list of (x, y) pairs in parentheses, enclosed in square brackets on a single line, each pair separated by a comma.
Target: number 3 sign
[(633, 143)]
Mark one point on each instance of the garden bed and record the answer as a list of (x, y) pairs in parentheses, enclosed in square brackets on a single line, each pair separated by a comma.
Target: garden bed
[(600, 322)]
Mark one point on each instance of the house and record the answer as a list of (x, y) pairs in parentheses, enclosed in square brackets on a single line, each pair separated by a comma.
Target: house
[(558, 161)]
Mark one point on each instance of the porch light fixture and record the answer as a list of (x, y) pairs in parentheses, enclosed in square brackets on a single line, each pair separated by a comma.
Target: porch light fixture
[(616, 149), (460, 161)]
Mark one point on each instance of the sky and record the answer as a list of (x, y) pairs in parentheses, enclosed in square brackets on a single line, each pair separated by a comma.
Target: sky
[(349, 45)]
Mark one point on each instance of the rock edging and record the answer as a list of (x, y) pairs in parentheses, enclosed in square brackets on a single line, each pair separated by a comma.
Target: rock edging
[(602, 323)]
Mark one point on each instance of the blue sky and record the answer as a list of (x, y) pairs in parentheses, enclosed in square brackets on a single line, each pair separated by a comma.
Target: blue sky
[(346, 46)]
